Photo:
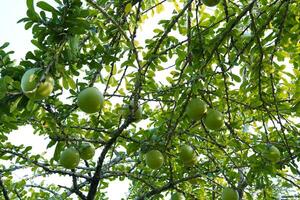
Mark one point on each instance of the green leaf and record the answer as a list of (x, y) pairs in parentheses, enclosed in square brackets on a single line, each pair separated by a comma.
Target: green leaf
[(14, 106), (30, 105), (74, 45), (31, 12), (128, 8), (114, 70), (65, 83), (235, 77), (3, 89), (4, 45), (30, 5), (47, 7), (71, 83), (51, 143), (59, 147), (28, 25)]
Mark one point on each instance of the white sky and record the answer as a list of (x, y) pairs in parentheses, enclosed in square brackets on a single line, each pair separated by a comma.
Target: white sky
[(10, 12)]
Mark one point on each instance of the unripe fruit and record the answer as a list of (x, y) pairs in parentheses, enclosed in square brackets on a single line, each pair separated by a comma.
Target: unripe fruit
[(177, 196), (210, 2), (194, 181), (214, 119), (69, 158), (86, 151), (186, 153), (31, 79), (154, 159), (196, 109), (273, 154), (90, 100), (230, 194), (138, 115), (191, 163)]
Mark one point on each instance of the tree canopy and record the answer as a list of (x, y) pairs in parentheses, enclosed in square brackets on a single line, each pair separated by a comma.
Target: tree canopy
[(207, 108)]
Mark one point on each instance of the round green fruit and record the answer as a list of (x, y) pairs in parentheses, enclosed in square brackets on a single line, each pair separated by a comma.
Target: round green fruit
[(69, 158), (186, 153), (194, 181), (86, 151), (177, 196), (210, 3), (196, 109), (29, 82), (230, 194), (273, 154), (191, 163), (214, 119), (138, 115), (90, 100), (154, 159)]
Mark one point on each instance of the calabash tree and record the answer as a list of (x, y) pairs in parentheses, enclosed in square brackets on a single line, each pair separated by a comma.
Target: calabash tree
[(239, 59)]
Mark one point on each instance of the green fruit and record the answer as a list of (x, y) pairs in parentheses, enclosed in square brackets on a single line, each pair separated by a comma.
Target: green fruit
[(154, 159), (31, 79), (194, 181), (69, 158), (86, 151), (90, 100), (138, 115), (196, 109), (273, 154), (177, 196), (210, 2), (214, 120), (186, 153), (191, 163), (230, 194)]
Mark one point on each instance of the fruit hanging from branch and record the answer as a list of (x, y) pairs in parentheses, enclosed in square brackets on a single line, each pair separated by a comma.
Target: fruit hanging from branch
[(138, 114), (33, 88), (90, 100), (273, 154), (230, 194), (187, 155), (214, 120), (154, 159), (86, 151), (69, 158), (196, 109), (210, 3), (177, 196)]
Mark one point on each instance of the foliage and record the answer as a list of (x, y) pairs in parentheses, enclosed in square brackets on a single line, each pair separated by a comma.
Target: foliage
[(242, 58)]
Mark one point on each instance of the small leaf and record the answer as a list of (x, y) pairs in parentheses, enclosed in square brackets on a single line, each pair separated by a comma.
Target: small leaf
[(51, 143), (27, 149), (47, 7), (160, 8), (31, 12), (71, 83), (30, 5), (4, 45), (128, 8), (14, 106), (3, 89), (74, 45), (235, 77), (65, 83), (30, 105), (59, 147), (114, 70)]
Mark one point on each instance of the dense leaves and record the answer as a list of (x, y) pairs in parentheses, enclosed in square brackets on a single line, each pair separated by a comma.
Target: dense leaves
[(240, 59)]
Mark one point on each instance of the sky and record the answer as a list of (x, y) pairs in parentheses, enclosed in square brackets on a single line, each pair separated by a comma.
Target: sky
[(20, 42)]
